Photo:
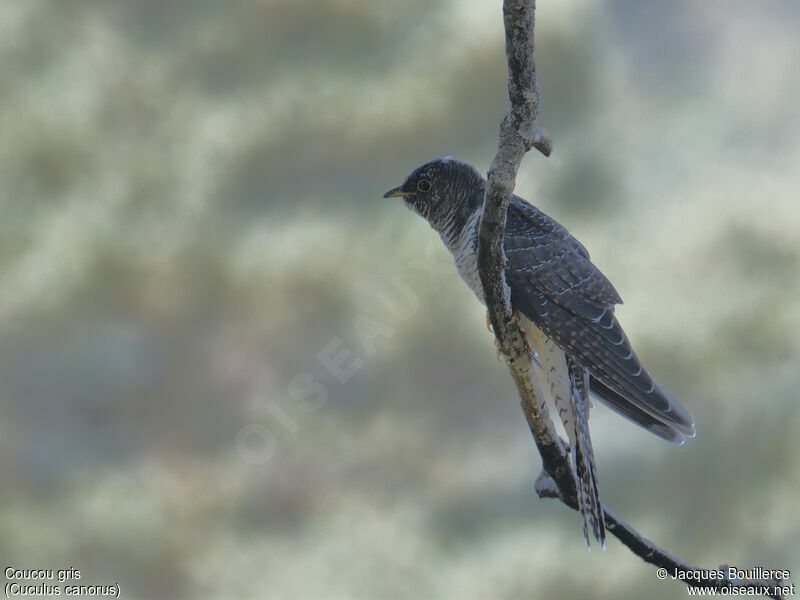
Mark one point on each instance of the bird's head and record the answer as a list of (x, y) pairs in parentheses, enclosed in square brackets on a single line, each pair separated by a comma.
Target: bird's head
[(441, 191)]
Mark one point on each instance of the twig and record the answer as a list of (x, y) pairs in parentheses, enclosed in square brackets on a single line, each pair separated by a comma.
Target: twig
[(519, 132), (673, 566)]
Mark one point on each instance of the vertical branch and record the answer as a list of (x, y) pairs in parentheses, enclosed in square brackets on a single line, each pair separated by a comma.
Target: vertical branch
[(519, 132)]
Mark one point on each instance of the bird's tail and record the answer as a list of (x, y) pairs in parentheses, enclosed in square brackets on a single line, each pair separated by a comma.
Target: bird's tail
[(589, 504)]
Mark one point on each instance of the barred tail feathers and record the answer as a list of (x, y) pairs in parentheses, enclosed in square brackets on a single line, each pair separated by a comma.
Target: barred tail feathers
[(568, 386), (589, 503)]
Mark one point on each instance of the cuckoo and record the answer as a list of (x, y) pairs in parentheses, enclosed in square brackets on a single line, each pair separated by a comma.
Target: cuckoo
[(565, 307)]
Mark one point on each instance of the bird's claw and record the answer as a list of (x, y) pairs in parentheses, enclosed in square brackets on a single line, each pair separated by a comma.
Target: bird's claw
[(515, 318), (501, 357)]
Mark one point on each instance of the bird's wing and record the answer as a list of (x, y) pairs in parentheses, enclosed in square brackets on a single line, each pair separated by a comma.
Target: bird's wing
[(556, 286), (634, 414)]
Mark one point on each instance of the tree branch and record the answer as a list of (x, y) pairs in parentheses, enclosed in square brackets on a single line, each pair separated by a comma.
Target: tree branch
[(519, 132), (674, 566)]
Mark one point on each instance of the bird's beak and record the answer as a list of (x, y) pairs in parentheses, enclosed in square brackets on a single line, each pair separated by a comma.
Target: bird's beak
[(396, 193)]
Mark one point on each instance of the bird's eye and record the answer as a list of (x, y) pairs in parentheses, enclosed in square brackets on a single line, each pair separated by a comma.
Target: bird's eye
[(423, 185)]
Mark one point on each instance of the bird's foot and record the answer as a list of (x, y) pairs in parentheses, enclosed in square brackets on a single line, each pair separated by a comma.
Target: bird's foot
[(500, 356), (515, 318)]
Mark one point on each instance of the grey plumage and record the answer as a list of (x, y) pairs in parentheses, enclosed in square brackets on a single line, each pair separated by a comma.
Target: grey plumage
[(561, 294)]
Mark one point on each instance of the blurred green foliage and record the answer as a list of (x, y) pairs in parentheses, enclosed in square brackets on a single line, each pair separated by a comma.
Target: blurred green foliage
[(192, 214)]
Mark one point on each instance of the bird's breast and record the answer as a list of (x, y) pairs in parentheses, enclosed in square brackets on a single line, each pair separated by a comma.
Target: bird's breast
[(465, 253)]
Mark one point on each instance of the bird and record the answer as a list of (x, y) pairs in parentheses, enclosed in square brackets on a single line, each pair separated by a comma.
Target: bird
[(565, 307)]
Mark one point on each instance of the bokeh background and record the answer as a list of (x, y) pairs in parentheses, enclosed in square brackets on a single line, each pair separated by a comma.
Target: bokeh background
[(193, 231)]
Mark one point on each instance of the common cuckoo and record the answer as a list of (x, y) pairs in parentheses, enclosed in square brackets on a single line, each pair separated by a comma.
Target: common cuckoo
[(565, 307)]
